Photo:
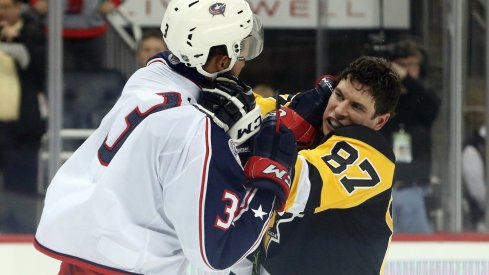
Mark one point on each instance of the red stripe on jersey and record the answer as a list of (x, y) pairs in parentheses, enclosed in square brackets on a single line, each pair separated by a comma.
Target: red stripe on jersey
[(17, 238), (156, 60), (441, 237), (106, 270), (203, 188)]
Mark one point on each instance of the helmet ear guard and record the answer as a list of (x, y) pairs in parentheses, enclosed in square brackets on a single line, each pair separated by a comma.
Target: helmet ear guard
[(230, 103)]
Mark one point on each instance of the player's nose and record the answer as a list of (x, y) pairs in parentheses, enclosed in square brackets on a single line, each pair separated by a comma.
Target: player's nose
[(341, 110)]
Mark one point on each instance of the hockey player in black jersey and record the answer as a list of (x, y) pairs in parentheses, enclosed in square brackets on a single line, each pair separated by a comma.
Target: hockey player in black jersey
[(337, 219)]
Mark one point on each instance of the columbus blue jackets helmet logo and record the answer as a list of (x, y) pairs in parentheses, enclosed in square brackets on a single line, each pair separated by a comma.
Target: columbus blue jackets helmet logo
[(217, 8)]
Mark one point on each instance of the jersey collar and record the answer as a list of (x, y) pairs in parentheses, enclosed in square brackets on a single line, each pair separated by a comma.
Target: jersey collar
[(188, 72)]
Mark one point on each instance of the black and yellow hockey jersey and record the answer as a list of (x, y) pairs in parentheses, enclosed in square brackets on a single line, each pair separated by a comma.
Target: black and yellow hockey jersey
[(338, 218)]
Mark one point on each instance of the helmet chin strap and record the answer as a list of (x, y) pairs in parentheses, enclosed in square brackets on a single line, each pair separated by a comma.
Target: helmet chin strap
[(214, 75)]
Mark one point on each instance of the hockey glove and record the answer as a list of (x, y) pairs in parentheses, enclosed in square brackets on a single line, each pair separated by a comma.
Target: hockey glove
[(303, 131), (305, 111), (273, 157), (310, 104), (230, 103)]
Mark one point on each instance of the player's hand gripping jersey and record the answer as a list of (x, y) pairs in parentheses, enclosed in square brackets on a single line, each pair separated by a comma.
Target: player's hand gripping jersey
[(302, 113), (158, 188)]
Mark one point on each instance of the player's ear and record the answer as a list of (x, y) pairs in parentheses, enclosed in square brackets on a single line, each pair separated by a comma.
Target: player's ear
[(223, 62), (380, 121), (217, 63)]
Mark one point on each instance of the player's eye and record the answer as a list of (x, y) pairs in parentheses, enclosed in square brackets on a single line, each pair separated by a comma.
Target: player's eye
[(358, 107), (338, 94)]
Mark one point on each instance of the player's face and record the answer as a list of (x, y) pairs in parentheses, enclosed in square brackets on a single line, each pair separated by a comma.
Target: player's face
[(9, 13), (411, 64), (351, 103), (150, 47)]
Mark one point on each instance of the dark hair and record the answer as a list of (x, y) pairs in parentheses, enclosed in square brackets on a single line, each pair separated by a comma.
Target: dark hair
[(412, 48), (380, 80), (216, 51), (409, 48)]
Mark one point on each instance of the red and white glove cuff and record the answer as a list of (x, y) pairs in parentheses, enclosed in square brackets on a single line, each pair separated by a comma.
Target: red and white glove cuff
[(303, 131), (261, 168)]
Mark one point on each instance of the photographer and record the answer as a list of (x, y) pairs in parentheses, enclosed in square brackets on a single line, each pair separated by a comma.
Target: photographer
[(409, 132)]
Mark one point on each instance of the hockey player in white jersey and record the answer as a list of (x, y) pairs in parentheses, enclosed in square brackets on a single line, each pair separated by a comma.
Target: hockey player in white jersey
[(159, 188)]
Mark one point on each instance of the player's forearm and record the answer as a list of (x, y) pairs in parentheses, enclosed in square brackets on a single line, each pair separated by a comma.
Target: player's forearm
[(225, 248)]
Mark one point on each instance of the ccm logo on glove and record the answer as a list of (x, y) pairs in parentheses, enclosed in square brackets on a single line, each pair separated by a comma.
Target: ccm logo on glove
[(279, 173), (266, 168), (251, 127)]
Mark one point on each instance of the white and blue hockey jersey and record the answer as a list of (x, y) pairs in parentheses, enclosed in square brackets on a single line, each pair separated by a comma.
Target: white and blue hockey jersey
[(156, 189)]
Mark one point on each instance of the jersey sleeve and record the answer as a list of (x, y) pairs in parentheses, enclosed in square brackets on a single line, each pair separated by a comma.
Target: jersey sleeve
[(230, 219), (352, 165), (268, 104)]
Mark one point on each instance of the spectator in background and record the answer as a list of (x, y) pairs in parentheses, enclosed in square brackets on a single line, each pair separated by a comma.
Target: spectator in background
[(84, 29), (409, 132), (22, 77), (25, 7), (151, 43), (473, 173)]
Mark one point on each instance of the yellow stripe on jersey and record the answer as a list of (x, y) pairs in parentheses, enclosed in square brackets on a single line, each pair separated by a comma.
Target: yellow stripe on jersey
[(388, 216), (351, 172), (390, 223), (267, 237), (294, 187), (267, 104)]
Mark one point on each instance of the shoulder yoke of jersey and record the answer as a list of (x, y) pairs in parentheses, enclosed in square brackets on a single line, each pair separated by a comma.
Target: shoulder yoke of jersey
[(366, 135)]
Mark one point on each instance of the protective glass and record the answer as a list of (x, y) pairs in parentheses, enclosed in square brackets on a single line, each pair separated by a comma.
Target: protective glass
[(252, 45)]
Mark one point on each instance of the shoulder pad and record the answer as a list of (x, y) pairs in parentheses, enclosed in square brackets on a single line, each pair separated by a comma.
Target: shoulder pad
[(366, 135)]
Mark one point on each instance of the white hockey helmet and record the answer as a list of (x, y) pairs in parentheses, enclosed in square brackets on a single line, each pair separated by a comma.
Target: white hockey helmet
[(192, 27)]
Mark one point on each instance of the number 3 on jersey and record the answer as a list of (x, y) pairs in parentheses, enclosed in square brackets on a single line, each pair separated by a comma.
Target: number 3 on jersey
[(342, 158), (106, 153), (229, 210)]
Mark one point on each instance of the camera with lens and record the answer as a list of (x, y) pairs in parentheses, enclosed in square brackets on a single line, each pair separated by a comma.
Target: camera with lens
[(399, 49), (389, 51)]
